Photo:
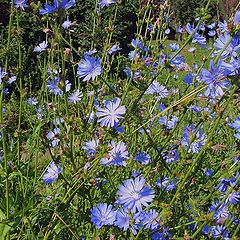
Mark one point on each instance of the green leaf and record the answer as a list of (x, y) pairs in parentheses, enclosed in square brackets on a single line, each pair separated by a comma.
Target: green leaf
[(4, 229)]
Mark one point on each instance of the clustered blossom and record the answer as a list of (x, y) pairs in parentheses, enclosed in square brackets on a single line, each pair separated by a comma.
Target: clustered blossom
[(65, 4), (134, 195), (132, 206)]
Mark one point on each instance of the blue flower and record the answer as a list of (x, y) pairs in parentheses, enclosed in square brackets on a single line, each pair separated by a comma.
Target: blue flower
[(192, 49), (53, 87), (237, 18), (235, 124), (149, 219), (167, 31), (180, 29), (136, 43), (111, 114), (20, 4), (90, 52), (221, 212), (125, 221), (166, 183), (232, 48), (67, 86), (231, 68), (66, 24), (102, 215), (53, 136), (200, 40), (212, 33), (169, 123), (117, 155), (89, 68), (196, 144), (162, 234), (51, 9), (2, 75), (174, 46), (41, 47), (197, 38), (91, 146), (32, 101), (223, 26), (220, 230), (188, 79), (205, 230), (75, 97), (67, 4), (178, 60), (115, 48), (122, 220), (209, 172), (52, 173), (133, 55), (143, 158), (11, 79), (156, 88), (233, 198), (215, 79), (171, 156), (106, 3), (212, 25), (133, 195)]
